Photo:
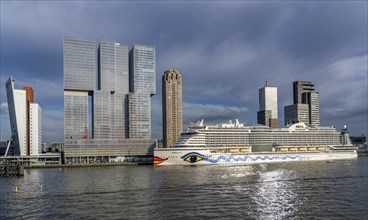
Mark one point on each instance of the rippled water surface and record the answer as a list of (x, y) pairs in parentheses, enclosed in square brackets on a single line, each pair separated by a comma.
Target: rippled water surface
[(294, 190)]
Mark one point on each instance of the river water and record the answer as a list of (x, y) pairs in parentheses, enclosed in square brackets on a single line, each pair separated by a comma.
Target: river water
[(293, 190)]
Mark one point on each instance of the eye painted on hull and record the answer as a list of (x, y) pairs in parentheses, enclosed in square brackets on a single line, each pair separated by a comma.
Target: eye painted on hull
[(193, 157)]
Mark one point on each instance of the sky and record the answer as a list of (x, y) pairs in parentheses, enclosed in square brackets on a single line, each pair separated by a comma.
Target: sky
[(225, 51)]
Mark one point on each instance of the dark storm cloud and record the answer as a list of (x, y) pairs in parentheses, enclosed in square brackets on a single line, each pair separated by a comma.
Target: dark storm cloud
[(224, 50)]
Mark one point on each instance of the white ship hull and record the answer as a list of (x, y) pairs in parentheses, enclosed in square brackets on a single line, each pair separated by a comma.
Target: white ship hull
[(203, 156)]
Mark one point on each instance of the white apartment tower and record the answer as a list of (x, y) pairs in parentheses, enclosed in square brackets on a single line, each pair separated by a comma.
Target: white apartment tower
[(35, 129), (20, 129)]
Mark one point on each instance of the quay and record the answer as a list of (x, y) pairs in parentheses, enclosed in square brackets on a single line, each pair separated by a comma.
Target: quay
[(11, 170), (56, 160), (76, 165)]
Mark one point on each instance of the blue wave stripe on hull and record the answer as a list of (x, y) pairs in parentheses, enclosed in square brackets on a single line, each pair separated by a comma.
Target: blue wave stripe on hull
[(254, 159)]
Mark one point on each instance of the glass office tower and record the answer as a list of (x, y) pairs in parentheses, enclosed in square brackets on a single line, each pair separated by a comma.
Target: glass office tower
[(79, 64), (111, 119), (142, 69), (108, 112), (142, 77), (139, 115), (79, 82)]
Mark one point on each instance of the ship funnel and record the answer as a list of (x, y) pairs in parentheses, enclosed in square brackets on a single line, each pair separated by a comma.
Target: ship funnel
[(236, 122), (201, 122)]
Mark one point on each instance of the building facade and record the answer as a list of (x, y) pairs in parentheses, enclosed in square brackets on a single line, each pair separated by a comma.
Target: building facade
[(110, 101), (296, 113), (18, 117), (139, 115), (299, 88), (142, 69), (79, 84), (172, 107), (268, 112), (22, 123), (35, 129), (79, 64), (313, 102), (29, 100), (304, 96), (142, 83), (75, 115), (103, 117)]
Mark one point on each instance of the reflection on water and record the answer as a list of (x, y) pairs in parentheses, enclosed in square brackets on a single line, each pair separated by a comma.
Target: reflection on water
[(265, 191), (276, 195)]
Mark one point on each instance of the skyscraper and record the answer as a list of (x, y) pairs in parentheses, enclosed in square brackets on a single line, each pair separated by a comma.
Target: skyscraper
[(300, 88), (313, 102), (17, 115), (172, 107), (79, 64), (26, 128), (139, 115), (35, 129), (306, 101), (29, 100), (142, 69), (142, 75), (268, 114), (79, 83), (110, 102), (110, 120)]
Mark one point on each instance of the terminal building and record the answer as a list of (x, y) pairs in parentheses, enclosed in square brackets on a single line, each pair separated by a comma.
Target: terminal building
[(108, 119)]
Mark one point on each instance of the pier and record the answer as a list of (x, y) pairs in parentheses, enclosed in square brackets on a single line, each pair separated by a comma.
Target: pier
[(11, 170)]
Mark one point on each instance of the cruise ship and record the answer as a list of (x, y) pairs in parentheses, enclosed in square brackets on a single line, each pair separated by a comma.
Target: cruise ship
[(234, 142)]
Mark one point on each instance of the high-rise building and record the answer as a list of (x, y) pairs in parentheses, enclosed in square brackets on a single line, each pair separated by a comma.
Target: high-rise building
[(110, 102), (313, 104), (79, 64), (306, 101), (79, 83), (113, 72), (172, 107), (109, 119), (18, 117), (23, 123), (142, 69), (296, 113), (29, 100), (268, 113), (102, 114), (142, 75), (299, 88), (139, 115), (35, 129)]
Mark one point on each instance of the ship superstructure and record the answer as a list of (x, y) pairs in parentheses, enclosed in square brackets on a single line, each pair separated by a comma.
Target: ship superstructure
[(233, 143), (235, 134)]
